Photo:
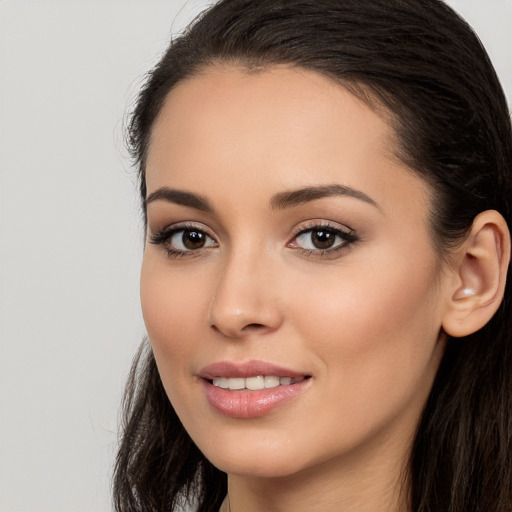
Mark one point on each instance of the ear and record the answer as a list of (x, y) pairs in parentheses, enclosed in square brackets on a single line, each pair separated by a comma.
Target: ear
[(480, 271)]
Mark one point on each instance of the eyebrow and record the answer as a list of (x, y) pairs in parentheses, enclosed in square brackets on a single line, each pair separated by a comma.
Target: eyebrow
[(279, 201), (306, 194), (180, 197)]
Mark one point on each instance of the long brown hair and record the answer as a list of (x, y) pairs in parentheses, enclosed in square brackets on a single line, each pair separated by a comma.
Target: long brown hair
[(426, 67)]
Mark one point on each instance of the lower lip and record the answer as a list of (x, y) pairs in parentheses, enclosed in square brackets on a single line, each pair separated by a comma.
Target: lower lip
[(251, 404)]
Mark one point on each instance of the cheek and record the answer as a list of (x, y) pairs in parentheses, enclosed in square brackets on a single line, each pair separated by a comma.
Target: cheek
[(174, 314), (374, 331), (172, 307)]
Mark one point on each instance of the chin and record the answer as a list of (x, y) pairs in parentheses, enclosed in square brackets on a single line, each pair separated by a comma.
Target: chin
[(268, 468), (255, 461)]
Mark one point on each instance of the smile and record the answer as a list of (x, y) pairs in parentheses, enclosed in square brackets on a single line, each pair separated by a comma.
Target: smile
[(251, 389), (254, 383)]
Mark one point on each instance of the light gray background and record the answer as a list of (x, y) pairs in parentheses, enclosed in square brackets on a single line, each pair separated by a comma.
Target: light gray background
[(70, 232)]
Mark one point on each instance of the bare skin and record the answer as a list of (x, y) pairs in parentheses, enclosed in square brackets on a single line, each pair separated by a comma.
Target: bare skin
[(341, 285)]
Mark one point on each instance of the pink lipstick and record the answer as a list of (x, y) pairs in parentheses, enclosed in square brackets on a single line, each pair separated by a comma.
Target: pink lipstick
[(251, 389)]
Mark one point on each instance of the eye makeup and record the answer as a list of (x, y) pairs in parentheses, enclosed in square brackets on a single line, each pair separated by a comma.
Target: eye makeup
[(183, 240), (316, 239), (323, 239)]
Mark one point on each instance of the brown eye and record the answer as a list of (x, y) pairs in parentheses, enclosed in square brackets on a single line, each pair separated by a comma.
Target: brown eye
[(319, 239), (322, 239), (193, 239), (180, 241), (184, 240)]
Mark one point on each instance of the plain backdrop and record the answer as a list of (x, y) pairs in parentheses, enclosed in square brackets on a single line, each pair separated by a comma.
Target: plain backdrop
[(70, 232)]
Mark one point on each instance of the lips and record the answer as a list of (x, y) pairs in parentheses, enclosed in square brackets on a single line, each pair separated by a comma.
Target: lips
[(247, 369), (250, 389)]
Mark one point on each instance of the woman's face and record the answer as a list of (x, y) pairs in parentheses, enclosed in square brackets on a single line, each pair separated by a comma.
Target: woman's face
[(288, 260)]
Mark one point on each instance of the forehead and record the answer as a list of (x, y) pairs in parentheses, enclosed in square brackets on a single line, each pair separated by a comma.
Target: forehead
[(264, 101), (278, 128)]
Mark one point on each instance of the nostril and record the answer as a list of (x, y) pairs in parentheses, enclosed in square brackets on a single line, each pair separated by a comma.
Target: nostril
[(247, 329), (253, 327)]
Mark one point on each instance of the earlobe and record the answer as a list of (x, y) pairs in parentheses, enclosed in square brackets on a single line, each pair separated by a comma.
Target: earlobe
[(481, 265), (465, 292)]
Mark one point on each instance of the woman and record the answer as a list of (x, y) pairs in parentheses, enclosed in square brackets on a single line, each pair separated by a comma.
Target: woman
[(326, 188)]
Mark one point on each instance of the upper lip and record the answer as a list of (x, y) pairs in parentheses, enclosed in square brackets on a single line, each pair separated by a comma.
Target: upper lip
[(247, 369)]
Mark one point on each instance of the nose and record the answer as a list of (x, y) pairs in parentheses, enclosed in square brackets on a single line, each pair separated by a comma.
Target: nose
[(245, 300)]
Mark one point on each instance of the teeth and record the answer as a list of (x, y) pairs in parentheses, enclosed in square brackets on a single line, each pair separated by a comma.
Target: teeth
[(254, 383), (236, 383), (272, 382), (221, 382)]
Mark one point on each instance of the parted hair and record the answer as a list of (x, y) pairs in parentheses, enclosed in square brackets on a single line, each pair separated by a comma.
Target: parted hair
[(422, 67)]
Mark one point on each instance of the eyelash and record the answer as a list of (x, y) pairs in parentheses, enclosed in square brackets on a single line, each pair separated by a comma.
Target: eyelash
[(164, 236), (347, 236)]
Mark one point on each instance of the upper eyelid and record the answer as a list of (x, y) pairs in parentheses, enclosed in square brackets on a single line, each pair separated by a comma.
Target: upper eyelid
[(311, 225), (182, 226)]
